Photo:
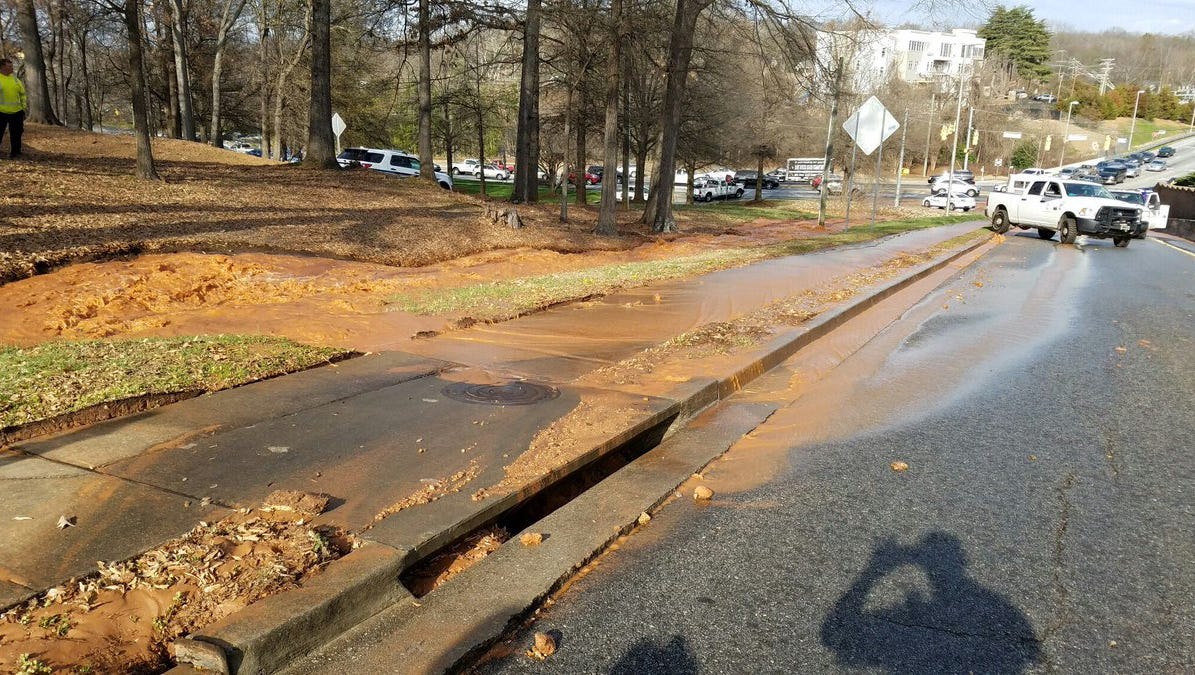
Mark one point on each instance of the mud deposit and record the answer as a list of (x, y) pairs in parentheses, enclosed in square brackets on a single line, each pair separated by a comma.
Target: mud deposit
[(316, 301)]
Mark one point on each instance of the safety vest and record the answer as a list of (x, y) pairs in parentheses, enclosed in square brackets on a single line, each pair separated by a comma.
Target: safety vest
[(12, 94)]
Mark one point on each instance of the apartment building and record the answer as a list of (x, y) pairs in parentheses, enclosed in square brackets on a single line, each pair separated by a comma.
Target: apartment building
[(914, 56)]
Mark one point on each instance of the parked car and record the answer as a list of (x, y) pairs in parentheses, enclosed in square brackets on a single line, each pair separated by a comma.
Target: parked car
[(1067, 172), (1156, 165), (779, 174), (833, 184), (596, 170), (960, 186), (959, 174), (1147, 156), (708, 189), (394, 162), (957, 201), (590, 178), (1165, 152), (1046, 98), (747, 178)]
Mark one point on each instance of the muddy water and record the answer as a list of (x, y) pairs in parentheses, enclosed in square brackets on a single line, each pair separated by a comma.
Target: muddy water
[(312, 300)]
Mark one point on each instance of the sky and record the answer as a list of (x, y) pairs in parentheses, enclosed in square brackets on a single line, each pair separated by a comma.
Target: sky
[(1171, 17)]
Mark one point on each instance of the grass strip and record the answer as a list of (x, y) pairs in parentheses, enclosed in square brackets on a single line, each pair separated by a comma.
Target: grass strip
[(501, 300), (62, 377)]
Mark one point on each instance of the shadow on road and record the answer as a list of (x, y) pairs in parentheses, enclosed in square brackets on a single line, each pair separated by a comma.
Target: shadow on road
[(961, 627), (646, 656)]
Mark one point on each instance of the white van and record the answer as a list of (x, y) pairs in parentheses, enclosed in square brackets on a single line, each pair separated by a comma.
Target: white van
[(397, 162)]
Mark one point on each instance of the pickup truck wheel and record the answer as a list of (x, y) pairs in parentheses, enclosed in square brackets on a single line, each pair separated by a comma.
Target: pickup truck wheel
[(709, 197), (1000, 222), (739, 194), (1068, 230), (1121, 242), (1045, 233), (925, 203), (453, 171)]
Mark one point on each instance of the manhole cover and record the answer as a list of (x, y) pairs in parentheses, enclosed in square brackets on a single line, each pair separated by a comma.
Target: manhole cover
[(511, 393)]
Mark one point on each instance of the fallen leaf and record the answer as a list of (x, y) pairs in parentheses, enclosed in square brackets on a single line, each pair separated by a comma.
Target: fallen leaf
[(701, 492), (278, 449), (899, 466), (545, 646), (531, 539), (65, 522), (22, 518), (644, 518), (1121, 350)]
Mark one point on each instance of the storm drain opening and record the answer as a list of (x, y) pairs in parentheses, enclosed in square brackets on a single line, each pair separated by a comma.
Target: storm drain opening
[(439, 566), (515, 392)]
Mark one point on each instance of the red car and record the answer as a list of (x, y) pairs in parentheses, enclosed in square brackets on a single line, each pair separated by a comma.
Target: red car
[(590, 178)]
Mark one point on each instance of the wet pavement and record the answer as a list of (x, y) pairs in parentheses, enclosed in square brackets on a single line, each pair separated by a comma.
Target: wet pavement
[(356, 430), (1042, 402)]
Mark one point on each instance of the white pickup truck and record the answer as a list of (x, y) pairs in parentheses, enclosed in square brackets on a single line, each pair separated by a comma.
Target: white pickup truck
[(1067, 207), (709, 188)]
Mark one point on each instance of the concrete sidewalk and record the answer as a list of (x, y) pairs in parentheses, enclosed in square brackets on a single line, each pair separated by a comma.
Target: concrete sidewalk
[(376, 429)]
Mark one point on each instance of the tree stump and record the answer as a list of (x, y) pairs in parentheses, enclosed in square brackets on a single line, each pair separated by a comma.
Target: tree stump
[(503, 216)]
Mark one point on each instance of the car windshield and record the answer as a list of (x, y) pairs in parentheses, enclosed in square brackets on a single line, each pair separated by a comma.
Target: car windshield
[(1085, 190), (1134, 197)]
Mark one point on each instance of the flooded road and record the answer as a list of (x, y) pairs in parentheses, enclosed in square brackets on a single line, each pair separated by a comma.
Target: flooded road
[(998, 482)]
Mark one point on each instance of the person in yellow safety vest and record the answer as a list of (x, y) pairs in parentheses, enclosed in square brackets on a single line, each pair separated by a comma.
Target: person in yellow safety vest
[(12, 107)]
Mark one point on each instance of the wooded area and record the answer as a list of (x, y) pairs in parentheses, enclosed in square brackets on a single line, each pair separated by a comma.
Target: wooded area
[(541, 83)]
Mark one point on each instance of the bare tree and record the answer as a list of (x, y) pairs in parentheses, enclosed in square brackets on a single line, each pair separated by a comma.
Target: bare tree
[(40, 108), (606, 223), (145, 157), (526, 187), (232, 12), (680, 50), (182, 71)]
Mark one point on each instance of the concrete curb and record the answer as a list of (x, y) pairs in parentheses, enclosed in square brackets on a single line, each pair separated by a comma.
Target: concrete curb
[(267, 635)]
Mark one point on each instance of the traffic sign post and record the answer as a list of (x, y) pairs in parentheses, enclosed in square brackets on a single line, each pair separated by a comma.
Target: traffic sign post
[(868, 127), (338, 127)]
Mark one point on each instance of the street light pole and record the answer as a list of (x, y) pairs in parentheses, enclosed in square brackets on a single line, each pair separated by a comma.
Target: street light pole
[(930, 129), (1062, 154), (1133, 126), (958, 115)]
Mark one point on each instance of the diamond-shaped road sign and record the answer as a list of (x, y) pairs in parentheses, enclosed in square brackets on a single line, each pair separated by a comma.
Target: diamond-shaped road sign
[(870, 125)]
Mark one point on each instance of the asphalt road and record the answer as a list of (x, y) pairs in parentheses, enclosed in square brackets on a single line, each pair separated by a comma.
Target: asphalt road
[(1044, 402)]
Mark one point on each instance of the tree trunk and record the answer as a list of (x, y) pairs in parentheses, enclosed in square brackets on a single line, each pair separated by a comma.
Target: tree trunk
[(145, 157), (38, 92), (568, 106), (680, 49), (526, 187), (607, 223), (640, 172), (321, 145), (426, 168), (217, 139), (86, 120), (275, 146), (182, 74), (579, 119), (264, 56)]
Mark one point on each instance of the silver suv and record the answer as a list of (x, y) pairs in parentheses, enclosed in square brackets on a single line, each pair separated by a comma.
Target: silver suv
[(397, 162)]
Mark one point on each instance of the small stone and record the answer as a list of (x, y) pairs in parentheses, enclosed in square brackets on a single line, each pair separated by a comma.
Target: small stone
[(899, 466), (1112, 644), (644, 518), (702, 493), (545, 646), (531, 539)]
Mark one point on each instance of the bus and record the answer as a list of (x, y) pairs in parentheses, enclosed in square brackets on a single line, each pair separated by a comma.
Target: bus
[(803, 168)]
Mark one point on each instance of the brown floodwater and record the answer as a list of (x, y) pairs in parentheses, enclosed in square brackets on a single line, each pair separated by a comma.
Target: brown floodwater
[(312, 300)]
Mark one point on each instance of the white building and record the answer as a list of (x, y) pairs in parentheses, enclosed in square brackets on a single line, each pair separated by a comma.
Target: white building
[(915, 56)]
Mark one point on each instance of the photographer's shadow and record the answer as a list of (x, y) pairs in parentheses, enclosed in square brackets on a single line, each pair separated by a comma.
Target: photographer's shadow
[(961, 627)]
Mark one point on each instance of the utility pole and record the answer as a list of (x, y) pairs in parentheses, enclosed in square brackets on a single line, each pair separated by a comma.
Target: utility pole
[(1105, 73), (967, 139), (928, 133), (958, 118), (900, 164)]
